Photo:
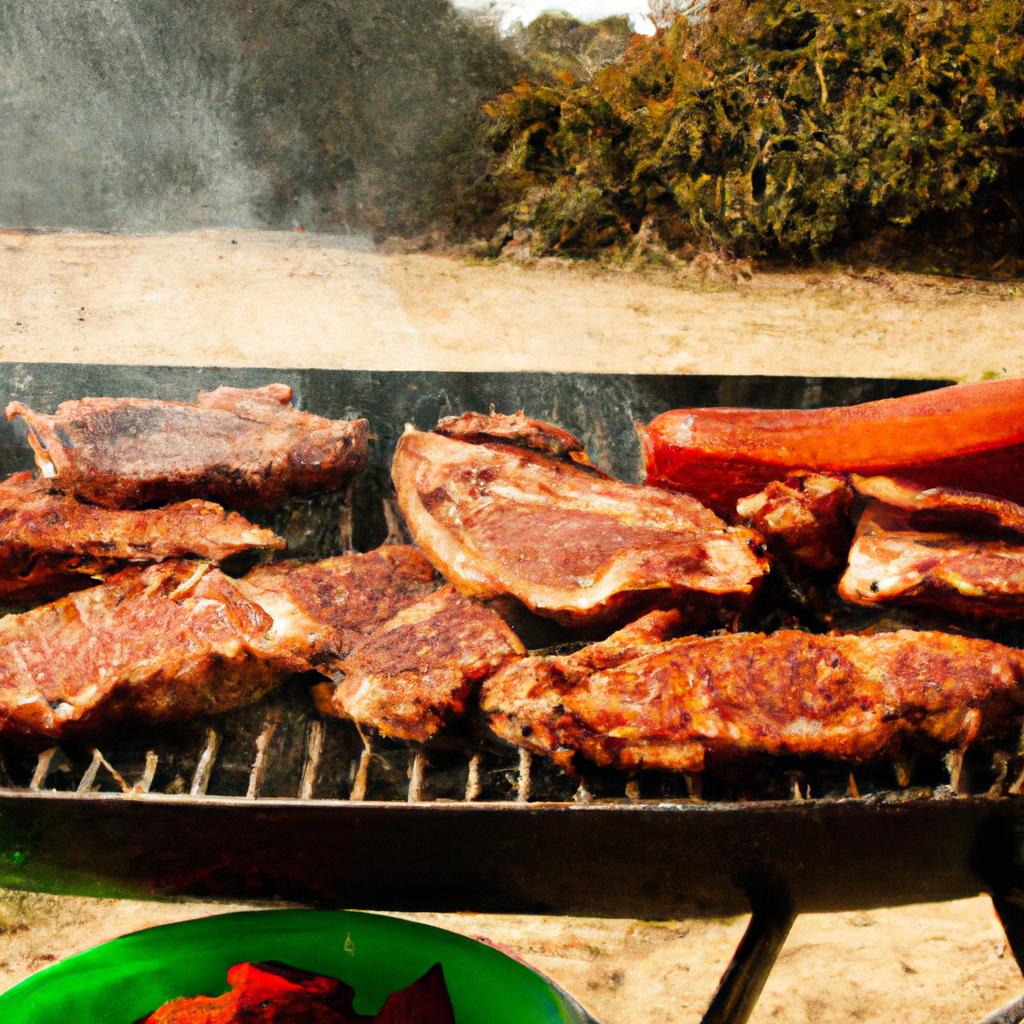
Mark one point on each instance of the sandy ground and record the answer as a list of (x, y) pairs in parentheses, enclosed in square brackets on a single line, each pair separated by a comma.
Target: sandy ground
[(251, 298), (287, 298)]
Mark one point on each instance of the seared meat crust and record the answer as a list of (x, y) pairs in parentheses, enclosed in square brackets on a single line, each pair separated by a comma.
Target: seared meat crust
[(417, 671), (50, 543), (569, 543), (955, 550), (242, 447), (323, 609), (163, 643), (674, 703), (804, 518)]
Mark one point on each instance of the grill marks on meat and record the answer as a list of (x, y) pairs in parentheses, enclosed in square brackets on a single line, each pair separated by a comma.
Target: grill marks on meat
[(956, 550), (323, 609), (243, 447), (804, 518), (565, 540), (673, 704), (164, 643), (416, 672), (50, 543)]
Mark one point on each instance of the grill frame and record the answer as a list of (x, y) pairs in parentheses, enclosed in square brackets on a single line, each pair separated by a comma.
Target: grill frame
[(622, 857)]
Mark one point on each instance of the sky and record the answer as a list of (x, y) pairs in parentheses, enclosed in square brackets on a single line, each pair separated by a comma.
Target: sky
[(527, 10)]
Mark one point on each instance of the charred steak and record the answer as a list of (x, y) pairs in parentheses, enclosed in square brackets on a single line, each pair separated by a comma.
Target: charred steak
[(238, 446), (955, 550), (570, 543), (163, 643), (323, 609), (51, 543), (638, 701), (417, 671)]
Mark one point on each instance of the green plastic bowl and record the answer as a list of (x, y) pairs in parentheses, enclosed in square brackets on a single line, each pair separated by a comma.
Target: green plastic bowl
[(123, 980)]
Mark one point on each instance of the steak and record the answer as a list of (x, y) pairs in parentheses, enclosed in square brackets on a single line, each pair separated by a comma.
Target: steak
[(237, 446), (497, 518), (416, 672), (638, 700), (323, 609), (51, 543), (954, 550), (157, 644)]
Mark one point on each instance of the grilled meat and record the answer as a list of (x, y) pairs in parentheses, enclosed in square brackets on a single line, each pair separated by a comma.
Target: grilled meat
[(950, 549), (323, 609), (50, 543), (155, 644), (804, 518), (675, 703), (242, 447), (565, 540), (417, 671), (969, 436)]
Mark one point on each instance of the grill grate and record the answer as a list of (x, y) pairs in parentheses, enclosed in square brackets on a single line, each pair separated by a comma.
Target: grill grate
[(280, 749)]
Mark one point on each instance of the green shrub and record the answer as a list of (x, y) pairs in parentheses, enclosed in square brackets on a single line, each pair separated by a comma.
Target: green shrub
[(776, 127)]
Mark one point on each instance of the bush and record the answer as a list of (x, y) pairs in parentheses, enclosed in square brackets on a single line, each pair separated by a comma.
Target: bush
[(777, 127)]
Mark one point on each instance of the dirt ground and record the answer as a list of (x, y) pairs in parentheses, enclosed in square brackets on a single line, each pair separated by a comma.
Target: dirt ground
[(276, 299), (254, 298)]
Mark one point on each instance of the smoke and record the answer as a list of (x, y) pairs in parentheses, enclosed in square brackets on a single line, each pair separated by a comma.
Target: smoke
[(164, 114), (110, 118)]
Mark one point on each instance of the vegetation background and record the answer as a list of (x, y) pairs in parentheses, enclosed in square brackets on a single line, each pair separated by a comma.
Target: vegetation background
[(776, 129)]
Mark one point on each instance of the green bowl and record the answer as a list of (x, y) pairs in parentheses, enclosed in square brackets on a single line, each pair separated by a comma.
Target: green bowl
[(123, 980)]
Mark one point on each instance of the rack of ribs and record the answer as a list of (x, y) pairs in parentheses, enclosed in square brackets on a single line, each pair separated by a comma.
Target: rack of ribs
[(163, 643), (51, 543), (417, 672), (957, 550), (639, 700), (243, 447), (505, 505)]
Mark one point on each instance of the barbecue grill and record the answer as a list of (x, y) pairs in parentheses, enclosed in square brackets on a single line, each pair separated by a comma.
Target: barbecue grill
[(274, 802)]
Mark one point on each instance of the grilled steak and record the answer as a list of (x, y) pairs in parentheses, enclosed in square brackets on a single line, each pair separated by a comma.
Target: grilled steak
[(241, 447), (635, 702), (156, 644), (323, 609), (952, 549), (50, 543), (417, 671), (565, 540), (804, 518)]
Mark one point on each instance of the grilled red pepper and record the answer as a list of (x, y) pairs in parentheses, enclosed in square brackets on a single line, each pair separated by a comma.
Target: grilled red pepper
[(970, 436), (272, 993)]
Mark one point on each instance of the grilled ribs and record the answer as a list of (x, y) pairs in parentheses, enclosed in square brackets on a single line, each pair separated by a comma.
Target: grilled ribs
[(162, 643), (956, 550), (50, 543), (568, 542), (238, 446), (639, 701), (323, 609), (416, 672)]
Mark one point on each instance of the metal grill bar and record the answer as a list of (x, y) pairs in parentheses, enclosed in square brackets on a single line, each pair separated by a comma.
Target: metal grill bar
[(204, 768)]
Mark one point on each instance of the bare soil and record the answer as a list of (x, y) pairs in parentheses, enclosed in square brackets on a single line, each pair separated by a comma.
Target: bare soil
[(258, 298), (278, 299)]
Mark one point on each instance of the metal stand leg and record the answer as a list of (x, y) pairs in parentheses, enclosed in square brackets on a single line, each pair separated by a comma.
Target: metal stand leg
[(752, 962)]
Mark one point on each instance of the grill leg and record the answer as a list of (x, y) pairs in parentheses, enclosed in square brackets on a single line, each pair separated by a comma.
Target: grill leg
[(1010, 908), (741, 984)]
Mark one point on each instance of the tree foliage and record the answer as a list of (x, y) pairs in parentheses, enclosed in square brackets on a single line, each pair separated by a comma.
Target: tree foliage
[(776, 127), (556, 44)]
